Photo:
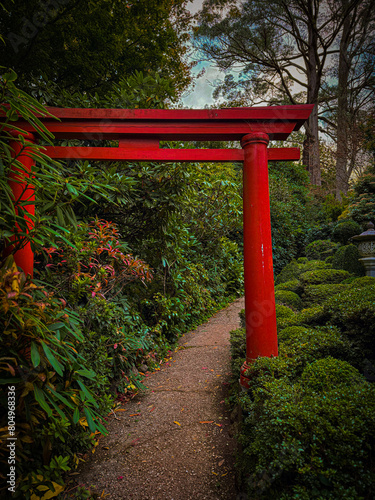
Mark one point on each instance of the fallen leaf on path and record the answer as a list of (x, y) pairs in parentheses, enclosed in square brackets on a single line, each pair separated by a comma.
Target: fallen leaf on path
[(206, 422), (224, 474), (134, 414), (152, 409), (120, 409), (221, 463), (178, 423), (214, 473), (204, 368), (120, 477), (219, 425)]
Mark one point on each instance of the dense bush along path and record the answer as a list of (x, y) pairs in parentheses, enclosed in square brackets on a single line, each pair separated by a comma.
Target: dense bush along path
[(175, 441)]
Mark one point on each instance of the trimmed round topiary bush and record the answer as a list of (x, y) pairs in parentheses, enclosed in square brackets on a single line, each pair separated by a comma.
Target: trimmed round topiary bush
[(287, 298), (310, 344), (320, 249), (292, 286), (317, 294), (326, 276), (347, 258), (328, 373), (294, 269), (353, 311), (344, 230), (363, 281)]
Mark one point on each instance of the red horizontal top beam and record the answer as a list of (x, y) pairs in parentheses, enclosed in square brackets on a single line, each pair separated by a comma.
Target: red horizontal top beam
[(151, 154), (298, 113), (174, 124)]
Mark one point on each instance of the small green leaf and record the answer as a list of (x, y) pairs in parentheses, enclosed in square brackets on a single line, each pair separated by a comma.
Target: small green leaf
[(89, 419), (51, 358), (76, 415), (35, 357)]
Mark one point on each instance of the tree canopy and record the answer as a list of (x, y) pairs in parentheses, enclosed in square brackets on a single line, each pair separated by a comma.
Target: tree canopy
[(88, 45), (297, 51)]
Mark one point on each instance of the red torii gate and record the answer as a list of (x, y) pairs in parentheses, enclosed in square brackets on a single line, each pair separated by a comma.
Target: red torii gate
[(139, 131)]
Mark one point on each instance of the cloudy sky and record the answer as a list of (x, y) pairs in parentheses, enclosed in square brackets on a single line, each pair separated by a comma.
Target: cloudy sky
[(201, 95)]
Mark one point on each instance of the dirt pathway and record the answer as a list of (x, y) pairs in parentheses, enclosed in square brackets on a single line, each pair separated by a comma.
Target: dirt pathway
[(175, 442)]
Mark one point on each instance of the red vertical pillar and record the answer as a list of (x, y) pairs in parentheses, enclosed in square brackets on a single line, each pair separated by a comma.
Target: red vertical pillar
[(23, 192), (261, 333)]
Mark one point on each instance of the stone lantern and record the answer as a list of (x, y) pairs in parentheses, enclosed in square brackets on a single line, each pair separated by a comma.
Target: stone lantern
[(366, 248)]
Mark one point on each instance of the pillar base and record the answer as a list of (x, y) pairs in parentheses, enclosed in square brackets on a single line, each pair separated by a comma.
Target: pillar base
[(244, 379), (369, 263)]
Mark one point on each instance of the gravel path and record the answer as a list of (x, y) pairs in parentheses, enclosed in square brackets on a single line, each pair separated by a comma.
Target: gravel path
[(175, 442)]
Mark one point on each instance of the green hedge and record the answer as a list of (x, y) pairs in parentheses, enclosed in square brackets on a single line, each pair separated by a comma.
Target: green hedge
[(320, 249), (317, 294), (287, 298), (347, 258), (320, 276)]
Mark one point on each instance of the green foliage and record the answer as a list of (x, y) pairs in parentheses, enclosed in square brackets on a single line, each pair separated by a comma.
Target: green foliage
[(321, 276), (288, 298), (362, 205), (288, 197), (39, 336), (237, 349), (294, 269), (298, 444), (284, 315), (320, 249), (293, 285), (353, 311), (325, 374), (347, 258), (344, 230), (317, 294), (307, 429), (88, 45)]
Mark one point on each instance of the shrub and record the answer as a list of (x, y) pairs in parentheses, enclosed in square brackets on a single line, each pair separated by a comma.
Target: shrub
[(317, 294), (294, 269), (302, 443), (363, 281), (291, 286), (288, 298), (353, 311), (320, 249), (237, 349), (284, 315), (328, 373), (347, 258), (321, 276), (242, 318), (309, 344), (344, 230)]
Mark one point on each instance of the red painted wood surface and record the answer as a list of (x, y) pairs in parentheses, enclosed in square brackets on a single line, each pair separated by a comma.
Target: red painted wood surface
[(260, 312), (174, 124), (23, 192), (298, 113), (155, 154), (164, 131)]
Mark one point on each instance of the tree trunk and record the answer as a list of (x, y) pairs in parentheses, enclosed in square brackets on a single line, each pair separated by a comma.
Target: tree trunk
[(342, 139), (311, 154)]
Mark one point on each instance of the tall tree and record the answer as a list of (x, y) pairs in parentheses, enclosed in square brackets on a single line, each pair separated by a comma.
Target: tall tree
[(347, 104), (280, 48), (87, 45)]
